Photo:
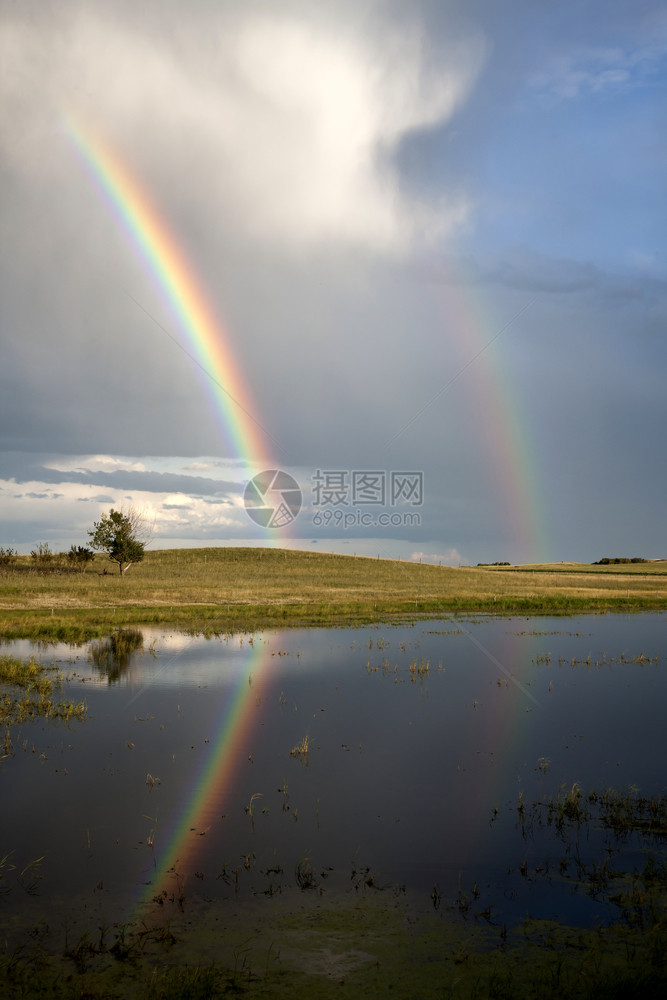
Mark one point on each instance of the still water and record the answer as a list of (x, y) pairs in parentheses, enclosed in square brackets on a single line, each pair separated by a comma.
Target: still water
[(427, 746)]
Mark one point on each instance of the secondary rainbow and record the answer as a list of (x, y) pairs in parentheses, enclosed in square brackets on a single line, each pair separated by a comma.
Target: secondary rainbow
[(180, 289), (502, 433)]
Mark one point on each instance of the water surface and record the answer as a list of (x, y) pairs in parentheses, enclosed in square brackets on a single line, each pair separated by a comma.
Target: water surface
[(423, 741)]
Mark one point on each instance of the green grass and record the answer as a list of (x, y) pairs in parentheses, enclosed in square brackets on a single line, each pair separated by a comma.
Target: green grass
[(26, 689), (29, 674), (242, 589), (611, 569)]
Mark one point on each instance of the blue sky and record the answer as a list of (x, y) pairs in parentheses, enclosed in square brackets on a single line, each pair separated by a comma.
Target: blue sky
[(370, 193)]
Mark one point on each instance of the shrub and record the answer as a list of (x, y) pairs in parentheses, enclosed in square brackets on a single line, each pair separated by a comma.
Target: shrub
[(42, 555), (79, 556)]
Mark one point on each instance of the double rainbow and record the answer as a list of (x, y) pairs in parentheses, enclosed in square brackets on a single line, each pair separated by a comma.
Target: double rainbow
[(184, 296)]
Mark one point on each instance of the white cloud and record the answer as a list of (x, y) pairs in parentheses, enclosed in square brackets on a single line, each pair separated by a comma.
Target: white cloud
[(200, 467), (177, 501), (95, 463), (285, 126), (450, 557), (64, 512), (332, 110)]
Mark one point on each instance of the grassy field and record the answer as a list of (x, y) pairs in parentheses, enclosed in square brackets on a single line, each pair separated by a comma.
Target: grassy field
[(243, 589)]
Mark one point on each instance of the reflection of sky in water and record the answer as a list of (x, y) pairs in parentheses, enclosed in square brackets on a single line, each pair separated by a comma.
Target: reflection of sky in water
[(405, 770)]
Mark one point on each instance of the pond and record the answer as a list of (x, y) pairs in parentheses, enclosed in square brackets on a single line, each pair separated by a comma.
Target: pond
[(449, 762)]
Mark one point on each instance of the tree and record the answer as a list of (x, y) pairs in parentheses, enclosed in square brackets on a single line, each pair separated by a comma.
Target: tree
[(123, 534)]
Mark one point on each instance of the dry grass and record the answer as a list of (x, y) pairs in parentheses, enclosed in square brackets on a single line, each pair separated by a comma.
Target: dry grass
[(247, 588)]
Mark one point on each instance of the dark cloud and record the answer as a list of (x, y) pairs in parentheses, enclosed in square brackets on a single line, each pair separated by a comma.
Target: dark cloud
[(27, 468)]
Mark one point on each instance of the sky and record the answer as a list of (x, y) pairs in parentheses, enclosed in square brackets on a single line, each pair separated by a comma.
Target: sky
[(428, 244)]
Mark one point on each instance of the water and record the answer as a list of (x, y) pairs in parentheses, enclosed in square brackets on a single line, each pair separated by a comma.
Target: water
[(423, 742)]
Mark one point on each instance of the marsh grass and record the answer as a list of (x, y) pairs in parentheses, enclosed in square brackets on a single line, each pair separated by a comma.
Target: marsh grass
[(242, 589), (26, 689), (304, 874), (621, 818), (31, 875), (302, 748), (6, 867), (622, 812), (419, 668), (112, 655), (29, 674), (369, 945)]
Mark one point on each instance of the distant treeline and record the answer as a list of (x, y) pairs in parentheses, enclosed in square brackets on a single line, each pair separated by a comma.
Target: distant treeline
[(607, 561), (495, 564)]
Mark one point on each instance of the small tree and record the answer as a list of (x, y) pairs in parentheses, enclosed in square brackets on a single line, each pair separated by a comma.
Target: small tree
[(123, 535), (79, 556)]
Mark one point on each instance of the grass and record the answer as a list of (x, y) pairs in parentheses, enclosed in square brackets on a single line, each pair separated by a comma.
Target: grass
[(370, 947), (243, 589), (630, 870), (302, 748), (28, 674), (26, 688), (622, 812)]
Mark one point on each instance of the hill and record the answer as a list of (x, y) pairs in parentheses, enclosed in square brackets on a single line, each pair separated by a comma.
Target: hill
[(245, 589)]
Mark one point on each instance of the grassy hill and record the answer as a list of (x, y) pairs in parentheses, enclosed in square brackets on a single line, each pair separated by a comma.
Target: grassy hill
[(234, 589)]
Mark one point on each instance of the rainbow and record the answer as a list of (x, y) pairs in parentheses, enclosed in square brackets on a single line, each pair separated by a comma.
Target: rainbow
[(500, 431), (201, 811), (504, 437), (180, 289)]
